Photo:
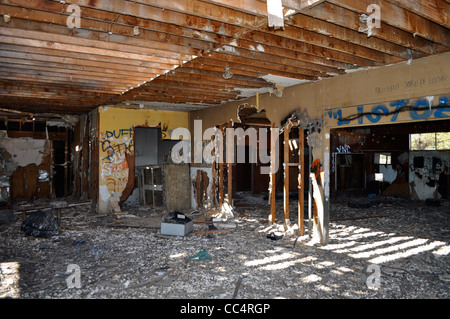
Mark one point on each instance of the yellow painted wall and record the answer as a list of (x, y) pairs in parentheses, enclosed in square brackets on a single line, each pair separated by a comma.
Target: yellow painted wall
[(116, 140)]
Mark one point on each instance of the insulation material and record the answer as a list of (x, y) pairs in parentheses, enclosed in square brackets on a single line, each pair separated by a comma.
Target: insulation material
[(275, 13)]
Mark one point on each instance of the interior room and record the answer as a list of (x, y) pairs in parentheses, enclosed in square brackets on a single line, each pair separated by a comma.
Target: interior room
[(258, 149)]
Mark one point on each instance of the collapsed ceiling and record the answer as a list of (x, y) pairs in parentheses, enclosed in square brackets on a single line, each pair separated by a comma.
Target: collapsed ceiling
[(70, 57)]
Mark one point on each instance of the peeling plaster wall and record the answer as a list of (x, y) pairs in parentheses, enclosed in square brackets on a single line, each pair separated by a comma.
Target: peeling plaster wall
[(424, 180), (209, 198), (26, 154), (116, 147), (23, 151)]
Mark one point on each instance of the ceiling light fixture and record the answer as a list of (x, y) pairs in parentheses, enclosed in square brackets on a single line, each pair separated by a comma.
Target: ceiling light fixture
[(227, 74)]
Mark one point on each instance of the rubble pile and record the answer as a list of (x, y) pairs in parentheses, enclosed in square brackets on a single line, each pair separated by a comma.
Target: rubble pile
[(402, 254)]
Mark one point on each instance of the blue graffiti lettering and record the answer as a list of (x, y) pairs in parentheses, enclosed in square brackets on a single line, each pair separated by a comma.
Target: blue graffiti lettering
[(338, 115), (421, 105), (378, 110), (442, 107), (398, 106), (120, 133)]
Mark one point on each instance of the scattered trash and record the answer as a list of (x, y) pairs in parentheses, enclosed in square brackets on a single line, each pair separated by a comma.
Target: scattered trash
[(202, 255), (176, 224), (275, 235), (41, 224)]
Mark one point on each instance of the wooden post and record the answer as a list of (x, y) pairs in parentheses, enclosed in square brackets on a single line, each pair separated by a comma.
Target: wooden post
[(66, 162), (221, 169), (199, 194), (301, 181), (230, 167), (286, 174), (273, 153)]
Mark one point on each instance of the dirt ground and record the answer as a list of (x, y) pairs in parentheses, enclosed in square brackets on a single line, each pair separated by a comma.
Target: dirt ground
[(401, 251)]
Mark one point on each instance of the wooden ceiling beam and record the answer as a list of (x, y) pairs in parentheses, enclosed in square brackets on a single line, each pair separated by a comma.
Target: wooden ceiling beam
[(257, 57), (212, 82), (328, 42), (179, 84), (401, 18), (194, 8), (219, 76), (57, 107), (156, 89), (164, 45), (260, 7), (42, 84), (437, 11), (262, 66), (179, 98), (335, 31), (74, 73), (218, 65), (63, 94), (68, 68), (303, 51), (350, 19), (74, 44), (80, 58)]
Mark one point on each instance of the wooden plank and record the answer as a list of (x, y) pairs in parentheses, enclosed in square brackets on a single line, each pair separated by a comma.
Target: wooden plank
[(250, 70), (310, 53), (260, 8), (73, 69), (221, 169), (80, 61), (385, 49), (402, 19), (437, 11), (301, 181), (66, 43), (333, 13), (286, 174), (300, 5), (273, 154), (230, 166), (163, 45)]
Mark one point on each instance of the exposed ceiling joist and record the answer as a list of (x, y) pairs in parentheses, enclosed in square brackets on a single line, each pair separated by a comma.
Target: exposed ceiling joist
[(175, 54)]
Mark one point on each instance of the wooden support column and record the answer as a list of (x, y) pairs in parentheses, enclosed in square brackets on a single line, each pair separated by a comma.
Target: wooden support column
[(286, 174), (66, 162), (221, 169), (301, 181), (198, 190), (230, 166), (273, 153)]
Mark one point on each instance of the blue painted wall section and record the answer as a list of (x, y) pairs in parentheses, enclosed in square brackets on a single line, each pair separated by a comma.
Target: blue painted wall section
[(420, 109)]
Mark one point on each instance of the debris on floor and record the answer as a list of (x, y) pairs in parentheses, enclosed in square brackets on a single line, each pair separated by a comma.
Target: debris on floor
[(121, 256)]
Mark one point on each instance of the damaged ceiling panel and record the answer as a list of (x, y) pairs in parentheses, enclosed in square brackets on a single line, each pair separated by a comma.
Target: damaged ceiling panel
[(70, 57)]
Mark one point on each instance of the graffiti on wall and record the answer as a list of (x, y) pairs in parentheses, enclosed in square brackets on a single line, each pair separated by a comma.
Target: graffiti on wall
[(115, 145), (420, 109)]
